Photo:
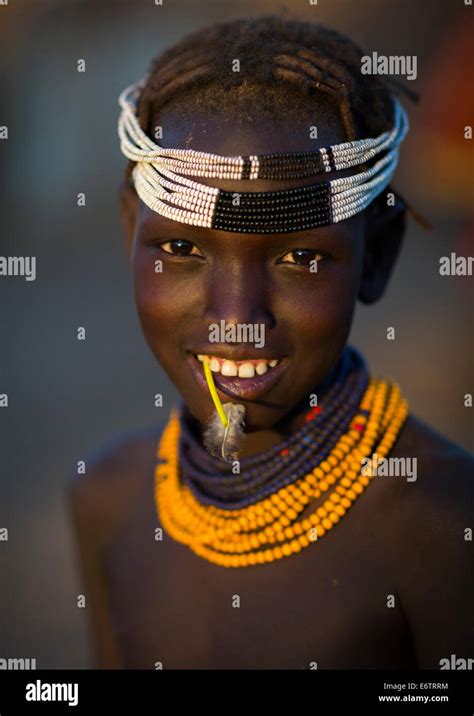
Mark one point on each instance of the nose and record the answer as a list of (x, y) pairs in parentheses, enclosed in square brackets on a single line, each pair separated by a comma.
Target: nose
[(238, 294)]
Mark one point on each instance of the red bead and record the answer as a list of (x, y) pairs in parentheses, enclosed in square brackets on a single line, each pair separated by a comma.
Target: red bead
[(312, 413)]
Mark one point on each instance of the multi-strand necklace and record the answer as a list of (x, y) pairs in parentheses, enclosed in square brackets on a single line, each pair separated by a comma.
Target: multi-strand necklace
[(289, 496)]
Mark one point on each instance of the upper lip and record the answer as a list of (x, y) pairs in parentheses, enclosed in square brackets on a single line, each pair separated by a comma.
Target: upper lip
[(227, 352)]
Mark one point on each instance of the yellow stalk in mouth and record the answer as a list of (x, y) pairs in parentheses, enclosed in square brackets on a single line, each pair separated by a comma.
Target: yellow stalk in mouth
[(213, 392)]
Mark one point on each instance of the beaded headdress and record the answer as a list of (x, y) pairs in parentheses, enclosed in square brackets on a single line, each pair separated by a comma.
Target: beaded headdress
[(160, 177)]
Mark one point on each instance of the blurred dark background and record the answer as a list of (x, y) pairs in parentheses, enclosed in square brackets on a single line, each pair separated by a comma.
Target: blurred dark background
[(68, 396)]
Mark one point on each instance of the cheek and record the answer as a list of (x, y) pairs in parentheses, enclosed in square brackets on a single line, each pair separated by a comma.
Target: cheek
[(163, 304), (320, 307)]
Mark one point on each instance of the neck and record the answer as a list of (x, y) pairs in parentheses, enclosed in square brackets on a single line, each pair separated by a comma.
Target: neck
[(261, 440)]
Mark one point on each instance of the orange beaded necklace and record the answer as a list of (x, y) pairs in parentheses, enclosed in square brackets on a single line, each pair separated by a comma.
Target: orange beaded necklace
[(276, 527)]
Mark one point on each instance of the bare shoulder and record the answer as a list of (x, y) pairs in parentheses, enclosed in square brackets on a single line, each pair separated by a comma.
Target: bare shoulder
[(115, 473), (98, 503), (444, 476), (429, 536), (436, 501)]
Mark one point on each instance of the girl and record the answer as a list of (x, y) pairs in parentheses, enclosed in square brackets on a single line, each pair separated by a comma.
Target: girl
[(259, 529)]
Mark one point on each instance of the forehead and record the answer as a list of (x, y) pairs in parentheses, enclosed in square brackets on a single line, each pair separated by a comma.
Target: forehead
[(247, 133)]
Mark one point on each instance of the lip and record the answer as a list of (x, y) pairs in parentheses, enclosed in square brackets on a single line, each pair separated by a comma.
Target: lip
[(235, 387)]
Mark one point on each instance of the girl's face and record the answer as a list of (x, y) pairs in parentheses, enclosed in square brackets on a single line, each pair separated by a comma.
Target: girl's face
[(265, 281)]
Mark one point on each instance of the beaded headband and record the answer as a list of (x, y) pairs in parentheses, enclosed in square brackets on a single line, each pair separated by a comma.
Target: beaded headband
[(159, 177)]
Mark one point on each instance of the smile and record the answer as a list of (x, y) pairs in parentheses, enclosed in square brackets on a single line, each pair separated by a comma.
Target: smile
[(247, 368), (245, 379)]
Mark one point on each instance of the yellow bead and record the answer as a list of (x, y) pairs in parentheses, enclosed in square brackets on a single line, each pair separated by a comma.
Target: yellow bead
[(303, 541)]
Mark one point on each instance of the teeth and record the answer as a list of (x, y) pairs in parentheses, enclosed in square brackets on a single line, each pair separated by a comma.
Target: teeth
[(261, 368), (246, 370), (214, 365), (243, 369), (229, 368)]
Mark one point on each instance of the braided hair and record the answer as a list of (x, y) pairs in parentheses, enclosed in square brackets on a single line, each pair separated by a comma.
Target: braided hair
[(286, 65)]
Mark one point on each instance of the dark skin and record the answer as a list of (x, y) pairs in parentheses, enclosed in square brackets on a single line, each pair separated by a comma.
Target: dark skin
[(155, 601)]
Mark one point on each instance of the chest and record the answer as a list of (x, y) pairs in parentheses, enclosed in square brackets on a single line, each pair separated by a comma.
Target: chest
[(331, 606)]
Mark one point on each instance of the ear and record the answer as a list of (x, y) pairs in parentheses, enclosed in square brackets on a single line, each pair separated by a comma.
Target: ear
[(129, 205), (385, 228)]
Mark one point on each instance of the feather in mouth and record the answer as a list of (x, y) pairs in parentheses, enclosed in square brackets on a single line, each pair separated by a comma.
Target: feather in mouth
[(225, 431)]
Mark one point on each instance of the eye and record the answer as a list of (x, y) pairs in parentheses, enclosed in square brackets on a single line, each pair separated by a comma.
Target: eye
[(180, 247), (300, 257)]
